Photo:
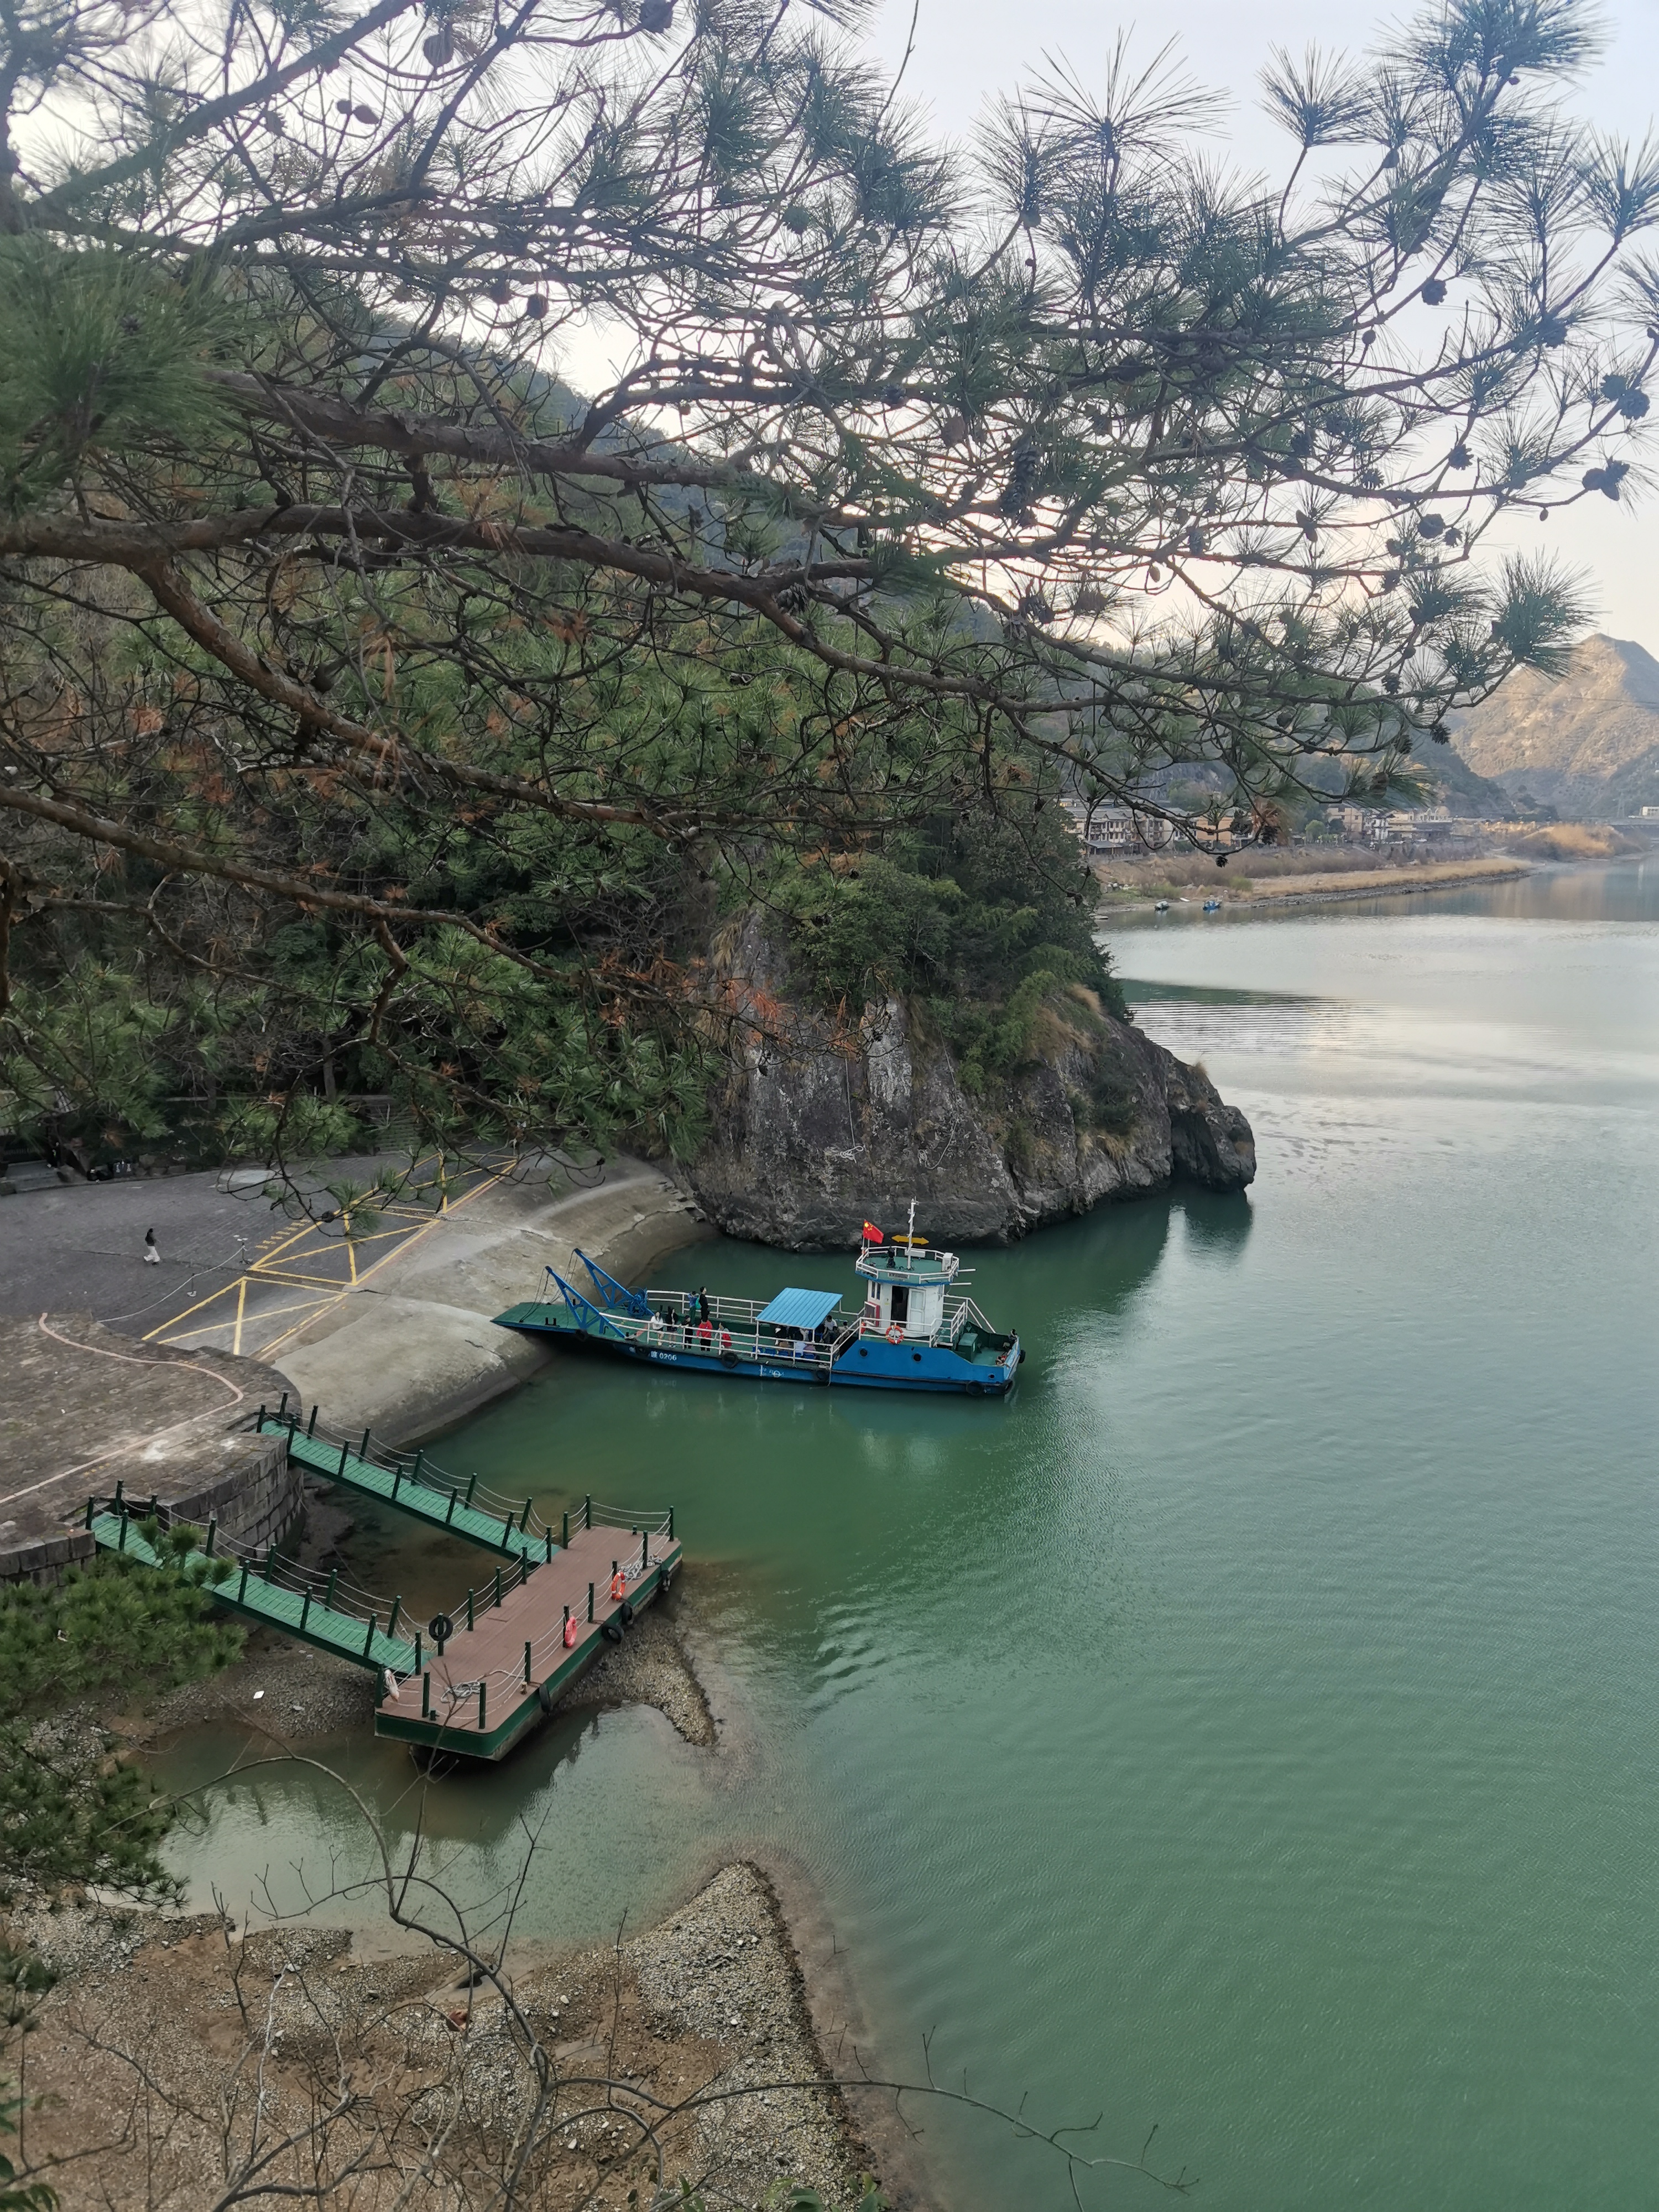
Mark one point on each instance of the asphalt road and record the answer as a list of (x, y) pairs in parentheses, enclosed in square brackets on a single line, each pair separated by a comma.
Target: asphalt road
[(79, 1247), (236, 1272)]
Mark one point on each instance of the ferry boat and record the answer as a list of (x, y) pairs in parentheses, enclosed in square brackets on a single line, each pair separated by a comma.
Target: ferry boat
[(917, 1328)]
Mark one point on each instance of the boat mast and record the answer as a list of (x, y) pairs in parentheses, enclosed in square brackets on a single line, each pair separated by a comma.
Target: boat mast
[(910, 1237)]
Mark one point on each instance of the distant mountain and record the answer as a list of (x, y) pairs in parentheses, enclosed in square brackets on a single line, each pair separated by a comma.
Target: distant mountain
[(1457, 786), (1586, 743)]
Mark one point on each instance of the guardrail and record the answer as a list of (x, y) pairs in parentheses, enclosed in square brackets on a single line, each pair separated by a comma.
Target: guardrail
[(244, 1563), (470, 1495)]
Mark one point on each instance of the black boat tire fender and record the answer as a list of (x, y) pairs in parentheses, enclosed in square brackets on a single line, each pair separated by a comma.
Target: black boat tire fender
[(728, 1359), (625, 1613), (1020, 1362), (975, 1389), (612, 1632), (544, 1696)]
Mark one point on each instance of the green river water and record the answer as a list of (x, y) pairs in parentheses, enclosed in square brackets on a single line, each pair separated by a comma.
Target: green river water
[(1249, 1726)]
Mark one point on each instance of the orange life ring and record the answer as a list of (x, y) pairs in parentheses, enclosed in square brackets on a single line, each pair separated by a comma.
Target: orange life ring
[(619, 1584), (895, 1334), (570, 1631)]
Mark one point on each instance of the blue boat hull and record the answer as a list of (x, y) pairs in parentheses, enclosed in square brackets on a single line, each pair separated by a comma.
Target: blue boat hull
[(875, 1364)]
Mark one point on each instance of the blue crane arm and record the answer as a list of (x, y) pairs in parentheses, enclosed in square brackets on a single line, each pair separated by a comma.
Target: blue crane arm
[(584, 1309), (614, 1293)]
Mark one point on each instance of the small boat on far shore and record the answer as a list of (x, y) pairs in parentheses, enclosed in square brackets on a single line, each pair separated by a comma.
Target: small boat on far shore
[(916, 1329)]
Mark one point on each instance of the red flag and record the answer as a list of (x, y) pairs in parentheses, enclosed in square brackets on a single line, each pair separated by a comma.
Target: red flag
[(871, 1234)]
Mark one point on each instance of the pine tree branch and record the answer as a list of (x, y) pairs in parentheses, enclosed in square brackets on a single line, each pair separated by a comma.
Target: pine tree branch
[(53, 209)]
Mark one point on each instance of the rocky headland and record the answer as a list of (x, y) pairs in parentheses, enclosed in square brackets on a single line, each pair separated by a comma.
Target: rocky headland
[(826, 1119)]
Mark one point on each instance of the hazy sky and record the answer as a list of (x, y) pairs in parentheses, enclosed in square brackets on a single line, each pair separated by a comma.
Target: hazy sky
[(968, 51)]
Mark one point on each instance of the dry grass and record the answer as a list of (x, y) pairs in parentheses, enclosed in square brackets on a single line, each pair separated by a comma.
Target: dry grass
[(1573, 841)]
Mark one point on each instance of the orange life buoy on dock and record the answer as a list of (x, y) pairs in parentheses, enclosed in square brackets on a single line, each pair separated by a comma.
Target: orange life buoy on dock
[(619, 1584), (570, 1631), (895, 1334)]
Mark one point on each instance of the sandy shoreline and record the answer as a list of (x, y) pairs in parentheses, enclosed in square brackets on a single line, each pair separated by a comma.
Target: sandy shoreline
[(1325, 889)]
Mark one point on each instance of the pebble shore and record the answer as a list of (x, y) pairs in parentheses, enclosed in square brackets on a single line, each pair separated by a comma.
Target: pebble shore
[(684, 2052)]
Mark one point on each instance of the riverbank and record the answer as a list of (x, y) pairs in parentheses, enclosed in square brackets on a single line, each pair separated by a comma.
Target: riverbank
[(180, 2061), (1322, 888)]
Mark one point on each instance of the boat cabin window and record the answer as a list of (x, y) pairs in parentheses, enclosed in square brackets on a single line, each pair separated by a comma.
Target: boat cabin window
[(901, 1303)]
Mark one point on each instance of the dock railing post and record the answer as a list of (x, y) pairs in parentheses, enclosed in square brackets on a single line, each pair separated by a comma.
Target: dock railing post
[(397, 1608), (362, 1452), (241, 1587), (368, 1640), (482, 1687), (498, 1585), (645, 1549), (587, 1510), (328, 1595), (449, 1510), (471, 1487), (417, 1651), (469, 1609), (212, 1533), (671, 1524), (311, 1426), (396, 1477), (304, 1612), (121, 1546), (564, 1531), (426, 1696), (345, 1454), (526, 1662), (414, 1472), (590, 1600)]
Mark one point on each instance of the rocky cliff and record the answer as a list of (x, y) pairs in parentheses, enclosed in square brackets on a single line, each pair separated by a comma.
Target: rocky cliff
[(824, 1123)]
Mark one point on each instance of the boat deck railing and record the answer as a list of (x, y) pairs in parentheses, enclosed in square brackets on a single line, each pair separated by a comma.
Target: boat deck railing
[(733, 1325)]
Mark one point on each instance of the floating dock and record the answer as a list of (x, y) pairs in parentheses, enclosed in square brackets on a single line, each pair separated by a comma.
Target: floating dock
[(481, 1676)]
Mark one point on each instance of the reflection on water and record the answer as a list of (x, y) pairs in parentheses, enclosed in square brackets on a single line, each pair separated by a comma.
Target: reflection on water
[(1247, 1727)]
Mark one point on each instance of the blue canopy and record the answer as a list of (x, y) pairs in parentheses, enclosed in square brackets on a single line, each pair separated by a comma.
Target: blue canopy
[(800, 1308)]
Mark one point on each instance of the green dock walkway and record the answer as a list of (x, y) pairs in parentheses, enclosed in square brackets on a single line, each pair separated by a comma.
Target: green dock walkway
[(253, 1591), (395, 1478)]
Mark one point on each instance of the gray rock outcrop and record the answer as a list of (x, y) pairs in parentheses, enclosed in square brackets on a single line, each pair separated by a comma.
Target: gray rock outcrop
[(821, 1124)]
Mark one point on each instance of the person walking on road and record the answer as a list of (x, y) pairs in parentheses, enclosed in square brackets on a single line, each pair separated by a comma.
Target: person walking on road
[(152, 1251)]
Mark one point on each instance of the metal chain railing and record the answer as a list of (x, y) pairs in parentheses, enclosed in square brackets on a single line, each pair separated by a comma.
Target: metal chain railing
[(472, 1495)]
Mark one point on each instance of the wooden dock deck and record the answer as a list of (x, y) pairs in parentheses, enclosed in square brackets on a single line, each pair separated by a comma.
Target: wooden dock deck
[(496, 1680)]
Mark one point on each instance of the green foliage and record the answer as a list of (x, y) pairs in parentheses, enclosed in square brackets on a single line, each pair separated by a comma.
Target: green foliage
[(71, 1812), (99, 354), (1073, 465), (964, 910), (980, 922)]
